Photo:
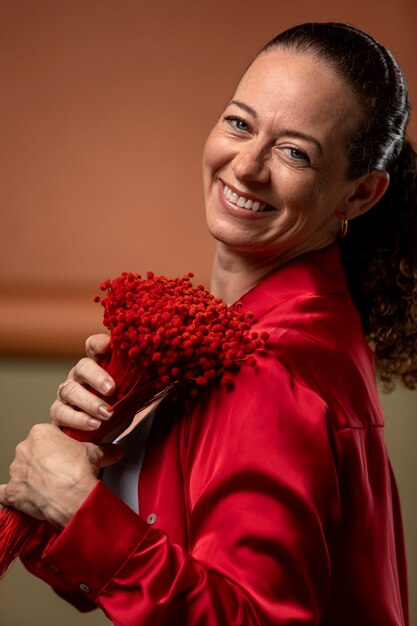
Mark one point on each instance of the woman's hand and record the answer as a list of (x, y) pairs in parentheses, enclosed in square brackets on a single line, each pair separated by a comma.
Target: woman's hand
[(52, 474), (76, 406)]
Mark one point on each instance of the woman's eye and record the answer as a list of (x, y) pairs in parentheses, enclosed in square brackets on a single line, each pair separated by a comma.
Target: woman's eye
[(236, 122), (297, 155)]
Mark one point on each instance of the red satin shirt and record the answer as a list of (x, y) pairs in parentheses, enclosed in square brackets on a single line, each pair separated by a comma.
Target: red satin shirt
[(267, 505)]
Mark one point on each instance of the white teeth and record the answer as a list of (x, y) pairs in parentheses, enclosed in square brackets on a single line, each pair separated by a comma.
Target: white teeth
[(242, 202)]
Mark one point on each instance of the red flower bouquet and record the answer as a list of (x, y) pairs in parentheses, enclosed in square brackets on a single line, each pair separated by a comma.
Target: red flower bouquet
[(165, 335)]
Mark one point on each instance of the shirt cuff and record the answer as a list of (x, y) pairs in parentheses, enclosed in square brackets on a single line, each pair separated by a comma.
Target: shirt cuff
[(96, 543)]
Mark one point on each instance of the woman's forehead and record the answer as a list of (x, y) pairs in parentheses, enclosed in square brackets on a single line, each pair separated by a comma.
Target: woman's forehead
[(280, 70), (301, 85)]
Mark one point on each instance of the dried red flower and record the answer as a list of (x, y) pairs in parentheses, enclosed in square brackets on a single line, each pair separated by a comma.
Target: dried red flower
[(165, 334)]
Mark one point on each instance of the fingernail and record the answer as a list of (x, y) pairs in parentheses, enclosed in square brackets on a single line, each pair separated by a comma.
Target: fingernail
[(107, 386), (105, 412), (93, 423)]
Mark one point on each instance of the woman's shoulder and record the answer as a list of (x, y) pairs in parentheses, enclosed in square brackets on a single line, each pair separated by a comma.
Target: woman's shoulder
[(338, 366), (316, 334)]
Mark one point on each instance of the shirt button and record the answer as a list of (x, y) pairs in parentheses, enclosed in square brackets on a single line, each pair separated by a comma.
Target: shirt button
[(151, 519), (84, 587)]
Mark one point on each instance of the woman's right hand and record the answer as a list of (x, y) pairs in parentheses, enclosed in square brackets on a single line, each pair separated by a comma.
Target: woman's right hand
[(76, 406)]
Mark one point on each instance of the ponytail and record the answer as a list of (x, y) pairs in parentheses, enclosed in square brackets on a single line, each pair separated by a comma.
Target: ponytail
[(380, 259)]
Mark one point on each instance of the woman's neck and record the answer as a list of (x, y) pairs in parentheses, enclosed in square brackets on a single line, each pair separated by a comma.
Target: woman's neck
[(234, 274)]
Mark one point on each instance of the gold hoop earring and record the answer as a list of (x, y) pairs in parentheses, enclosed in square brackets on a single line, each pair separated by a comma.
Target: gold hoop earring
[(343, 228)]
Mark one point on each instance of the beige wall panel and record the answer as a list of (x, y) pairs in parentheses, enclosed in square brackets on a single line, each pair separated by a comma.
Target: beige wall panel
[(27, 387)]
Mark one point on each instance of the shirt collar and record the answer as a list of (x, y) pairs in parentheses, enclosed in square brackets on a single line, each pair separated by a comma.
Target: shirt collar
[(312, 274)]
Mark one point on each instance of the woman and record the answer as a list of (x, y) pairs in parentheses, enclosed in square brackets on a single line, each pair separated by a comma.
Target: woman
[(273, 503)]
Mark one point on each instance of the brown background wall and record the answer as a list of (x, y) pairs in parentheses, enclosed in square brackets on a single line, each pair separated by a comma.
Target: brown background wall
[(104, 108)]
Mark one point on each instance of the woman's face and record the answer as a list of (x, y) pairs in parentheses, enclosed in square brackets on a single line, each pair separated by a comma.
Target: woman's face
[(274, 166)]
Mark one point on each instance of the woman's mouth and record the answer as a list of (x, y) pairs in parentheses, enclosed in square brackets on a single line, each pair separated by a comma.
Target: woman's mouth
[(243, 201)]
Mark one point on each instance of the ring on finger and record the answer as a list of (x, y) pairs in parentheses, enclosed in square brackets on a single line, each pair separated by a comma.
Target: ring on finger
[(60, 388)]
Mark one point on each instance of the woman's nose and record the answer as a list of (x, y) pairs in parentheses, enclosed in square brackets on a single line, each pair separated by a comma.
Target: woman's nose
[(250, 163)]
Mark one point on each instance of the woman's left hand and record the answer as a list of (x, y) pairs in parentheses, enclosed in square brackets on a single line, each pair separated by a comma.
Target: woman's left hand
[(52, 474)]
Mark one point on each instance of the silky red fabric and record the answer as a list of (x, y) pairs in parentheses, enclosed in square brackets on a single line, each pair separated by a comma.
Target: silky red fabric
[(272, 504)]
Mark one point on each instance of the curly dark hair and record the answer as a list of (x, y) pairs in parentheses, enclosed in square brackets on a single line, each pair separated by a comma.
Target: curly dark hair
[(380, 250)]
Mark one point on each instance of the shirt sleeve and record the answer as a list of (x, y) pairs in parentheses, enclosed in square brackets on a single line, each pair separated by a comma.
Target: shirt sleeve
[(263, 502)]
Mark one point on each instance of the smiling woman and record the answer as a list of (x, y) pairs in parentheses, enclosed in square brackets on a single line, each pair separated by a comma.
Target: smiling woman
[(272, 503)]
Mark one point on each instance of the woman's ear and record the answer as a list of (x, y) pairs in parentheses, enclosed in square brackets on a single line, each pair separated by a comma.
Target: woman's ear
[(368, 189)]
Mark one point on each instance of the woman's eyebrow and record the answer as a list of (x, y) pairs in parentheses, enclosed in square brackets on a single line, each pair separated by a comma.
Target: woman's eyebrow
[(245, 107), (287, 131), (297, 134)]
